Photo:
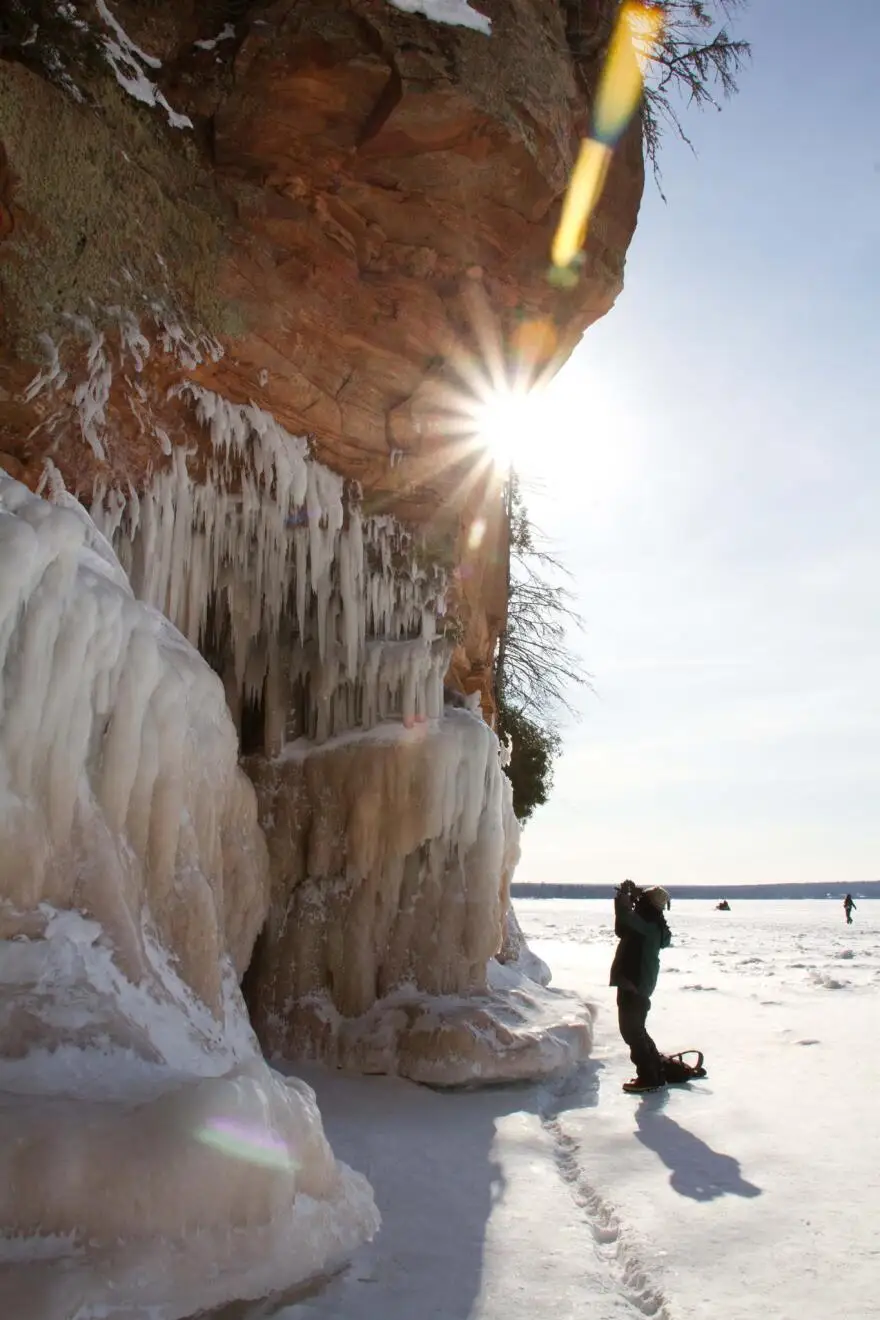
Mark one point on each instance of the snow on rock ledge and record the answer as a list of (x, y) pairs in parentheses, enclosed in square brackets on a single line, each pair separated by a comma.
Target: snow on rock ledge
[(458, 13), (133, 880), (391, 853)]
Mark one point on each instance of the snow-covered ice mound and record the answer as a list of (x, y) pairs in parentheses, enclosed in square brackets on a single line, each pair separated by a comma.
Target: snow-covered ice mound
[(179, 1166), (516, 953), (182, 1194), (150, 1161), (516, 1030)]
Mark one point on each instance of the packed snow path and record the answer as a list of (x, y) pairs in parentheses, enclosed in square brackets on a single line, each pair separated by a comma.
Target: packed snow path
[(752, 1193)]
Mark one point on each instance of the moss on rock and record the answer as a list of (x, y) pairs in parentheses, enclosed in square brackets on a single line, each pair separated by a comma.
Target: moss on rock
[(112, 206)]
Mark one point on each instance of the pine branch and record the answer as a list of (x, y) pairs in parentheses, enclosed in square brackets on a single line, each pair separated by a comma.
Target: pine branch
[(689, 65)]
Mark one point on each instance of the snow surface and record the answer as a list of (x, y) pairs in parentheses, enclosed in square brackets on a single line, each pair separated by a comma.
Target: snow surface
[(753, 1193), (458, 13), (226, 33), (129, 62)]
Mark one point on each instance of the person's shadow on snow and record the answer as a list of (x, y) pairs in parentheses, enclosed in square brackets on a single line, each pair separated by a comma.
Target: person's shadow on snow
[(697, 1170)]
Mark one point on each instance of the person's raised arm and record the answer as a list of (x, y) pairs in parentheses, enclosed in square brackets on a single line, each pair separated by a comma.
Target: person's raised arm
[(624, 912)]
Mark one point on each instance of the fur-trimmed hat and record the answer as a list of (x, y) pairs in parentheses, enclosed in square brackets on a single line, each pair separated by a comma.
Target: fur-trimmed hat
[(658, 896)]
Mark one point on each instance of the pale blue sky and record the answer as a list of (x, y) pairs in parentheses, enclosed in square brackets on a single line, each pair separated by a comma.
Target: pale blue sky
[(716, 493)]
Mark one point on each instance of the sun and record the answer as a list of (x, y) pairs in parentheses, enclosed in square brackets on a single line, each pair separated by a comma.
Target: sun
[(515, 425), (508, 422), (495, 400)]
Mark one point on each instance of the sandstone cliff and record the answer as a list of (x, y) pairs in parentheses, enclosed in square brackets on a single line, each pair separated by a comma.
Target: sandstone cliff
[(256, 261), (363, 202)]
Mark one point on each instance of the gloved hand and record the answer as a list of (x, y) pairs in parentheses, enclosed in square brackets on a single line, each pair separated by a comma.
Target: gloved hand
[(628, 890)]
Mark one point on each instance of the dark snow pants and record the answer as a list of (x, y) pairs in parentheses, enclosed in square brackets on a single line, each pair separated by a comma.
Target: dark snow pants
[(632, 1014)]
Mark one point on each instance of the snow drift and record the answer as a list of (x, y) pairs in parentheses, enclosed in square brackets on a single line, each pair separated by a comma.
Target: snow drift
[(142, 1137)]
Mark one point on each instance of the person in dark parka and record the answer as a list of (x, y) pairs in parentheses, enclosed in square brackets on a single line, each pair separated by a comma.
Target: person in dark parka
[(642, 932)]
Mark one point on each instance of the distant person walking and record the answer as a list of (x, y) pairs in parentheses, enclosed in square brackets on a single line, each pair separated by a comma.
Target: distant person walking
[(642, 932), (848, 906)]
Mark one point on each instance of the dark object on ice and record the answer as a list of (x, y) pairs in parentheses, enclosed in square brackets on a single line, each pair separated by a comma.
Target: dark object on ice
[(848, 906), (723, 906), (675, 1072), (675, 1069), (453, 698), (642, 932)]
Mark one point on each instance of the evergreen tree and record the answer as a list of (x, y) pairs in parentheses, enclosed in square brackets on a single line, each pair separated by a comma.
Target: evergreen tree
[(695, 61), (535, 669)]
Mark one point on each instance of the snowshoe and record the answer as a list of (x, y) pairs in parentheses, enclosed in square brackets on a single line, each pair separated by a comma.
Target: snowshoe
[(636, 1086), (676, 1070)]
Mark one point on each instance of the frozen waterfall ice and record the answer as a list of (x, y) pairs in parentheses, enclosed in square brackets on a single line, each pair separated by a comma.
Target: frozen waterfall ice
[(133, 882), (321, 619)]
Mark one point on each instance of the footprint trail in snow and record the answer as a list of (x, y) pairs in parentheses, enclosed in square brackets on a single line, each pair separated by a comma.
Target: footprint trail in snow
[(614, 1245)]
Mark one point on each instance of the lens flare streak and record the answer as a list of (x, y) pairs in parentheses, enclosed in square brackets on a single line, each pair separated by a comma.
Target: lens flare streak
[(242, 1142), (636, 33)]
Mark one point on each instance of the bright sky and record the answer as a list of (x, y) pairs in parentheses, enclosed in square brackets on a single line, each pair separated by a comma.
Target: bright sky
[(717, 494)]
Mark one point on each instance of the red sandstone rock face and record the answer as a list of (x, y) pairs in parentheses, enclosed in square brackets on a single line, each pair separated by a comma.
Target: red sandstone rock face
[(384, 191)]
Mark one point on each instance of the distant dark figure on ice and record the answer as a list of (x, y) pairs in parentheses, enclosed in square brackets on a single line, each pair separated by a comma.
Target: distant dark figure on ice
[(848, 906), (723, 906), (642, 932)]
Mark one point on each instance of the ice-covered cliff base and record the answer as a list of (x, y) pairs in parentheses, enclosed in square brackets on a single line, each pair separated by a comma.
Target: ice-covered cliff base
[(176, 1195), (143, 1139), (513, 1031), (391, 853), (150, 1161)]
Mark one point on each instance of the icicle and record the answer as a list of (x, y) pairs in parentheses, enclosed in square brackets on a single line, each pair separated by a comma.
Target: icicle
[(92, 396), (266, 538)]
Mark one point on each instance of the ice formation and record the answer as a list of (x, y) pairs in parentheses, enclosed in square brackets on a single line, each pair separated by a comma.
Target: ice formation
[(514, 1030), (318, 619), (133, 881), (391, 853), (456, 12), (117, 345), (160, 1185), (120, 786), (397, 839), (516, 954)]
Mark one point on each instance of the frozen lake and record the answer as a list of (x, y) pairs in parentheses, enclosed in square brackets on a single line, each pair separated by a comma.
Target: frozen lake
[(753, 1193), (795, 942)]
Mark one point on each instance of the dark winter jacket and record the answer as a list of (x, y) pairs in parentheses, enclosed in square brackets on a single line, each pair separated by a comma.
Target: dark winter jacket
[(642, 934)]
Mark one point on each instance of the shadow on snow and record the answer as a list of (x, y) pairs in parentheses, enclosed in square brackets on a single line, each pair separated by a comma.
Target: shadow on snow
[(696, 1170)]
